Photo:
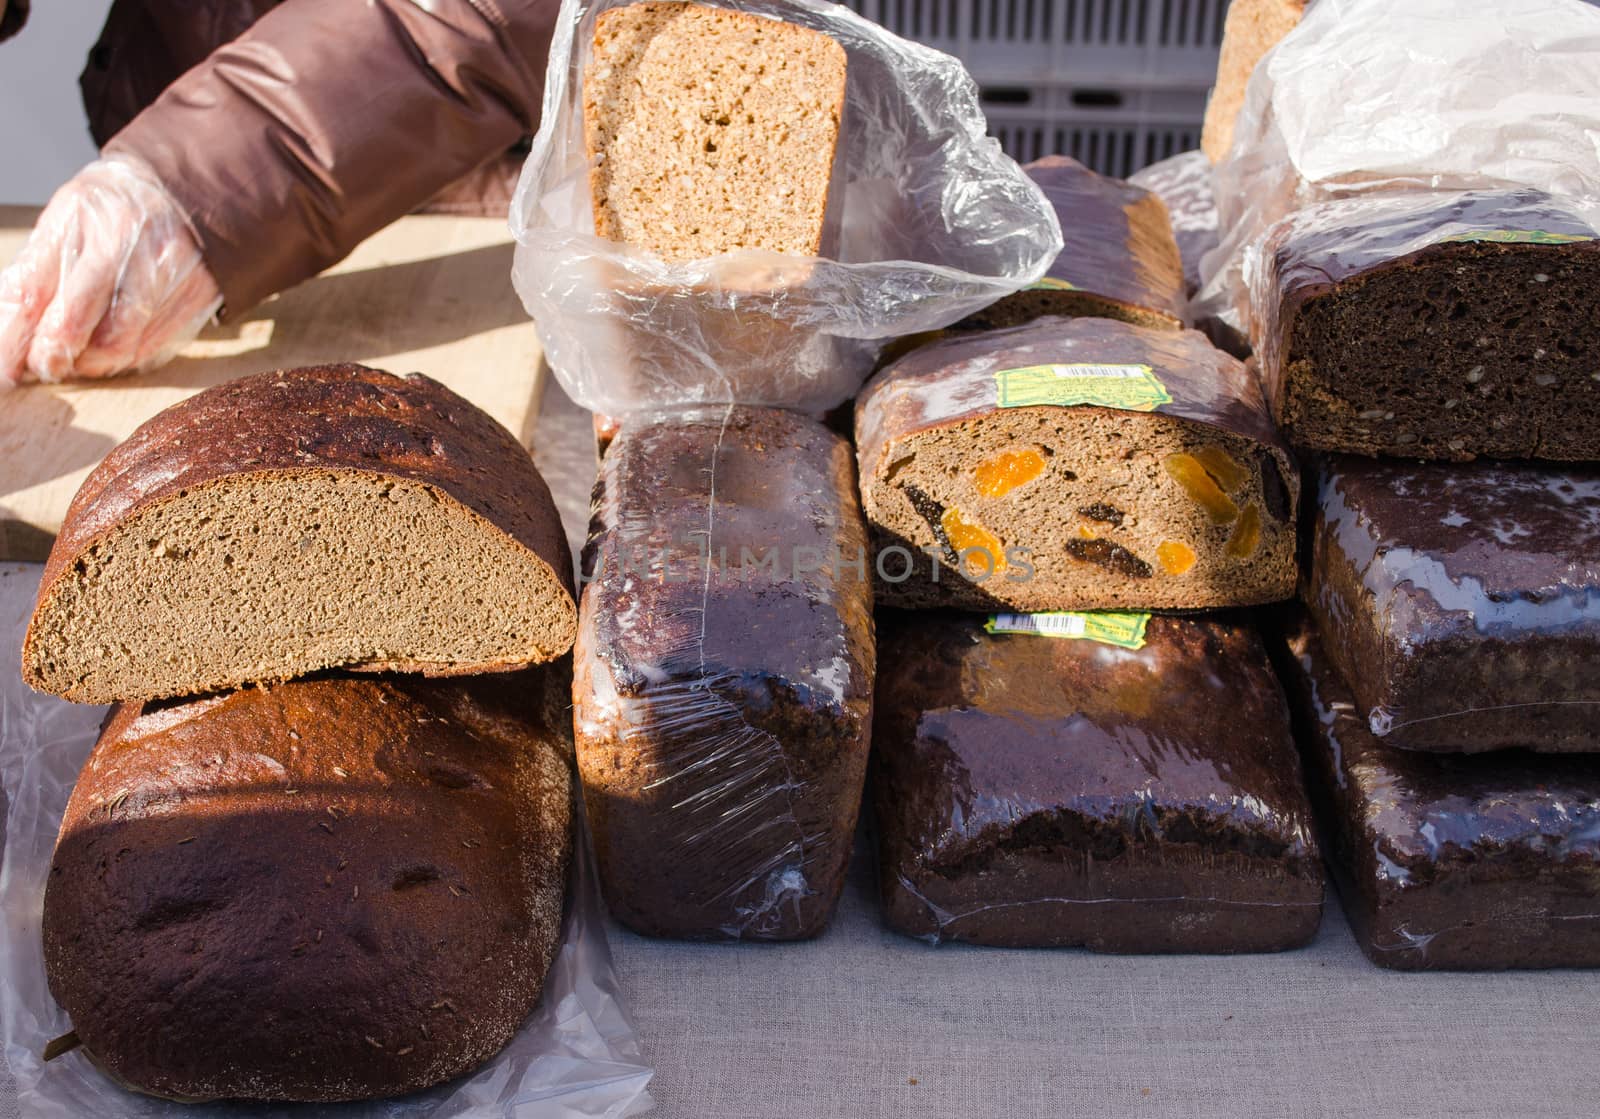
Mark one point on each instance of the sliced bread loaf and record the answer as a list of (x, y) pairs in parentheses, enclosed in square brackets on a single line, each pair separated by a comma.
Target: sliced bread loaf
[(1075, 464), (288, 522), (711, 130), (1120, 259), (1435, 325)]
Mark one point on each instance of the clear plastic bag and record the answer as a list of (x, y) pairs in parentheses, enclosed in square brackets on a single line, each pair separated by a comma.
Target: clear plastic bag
[(936, 222), (1183, 182), (576, 1056), (1370, 97)]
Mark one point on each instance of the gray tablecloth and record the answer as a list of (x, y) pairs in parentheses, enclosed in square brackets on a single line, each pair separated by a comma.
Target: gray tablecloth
[(863, 1023)]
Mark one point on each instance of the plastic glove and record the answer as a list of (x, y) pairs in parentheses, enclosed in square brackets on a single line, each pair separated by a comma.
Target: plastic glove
[(111, 280)]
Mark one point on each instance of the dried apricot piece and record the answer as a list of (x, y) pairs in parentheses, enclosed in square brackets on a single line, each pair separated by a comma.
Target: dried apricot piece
[(1246, 536), (1004, 472), (964, 534), (1229, 473), (1176, 557), (1201, 487)]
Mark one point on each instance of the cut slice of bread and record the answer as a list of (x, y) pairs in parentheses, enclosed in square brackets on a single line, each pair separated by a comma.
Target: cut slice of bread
[(711, 130), (274, 526), (1021, 469), (1253, 27)]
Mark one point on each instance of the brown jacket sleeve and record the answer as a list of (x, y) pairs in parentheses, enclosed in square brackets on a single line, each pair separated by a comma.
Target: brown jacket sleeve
[(329, 119), (13, 14)]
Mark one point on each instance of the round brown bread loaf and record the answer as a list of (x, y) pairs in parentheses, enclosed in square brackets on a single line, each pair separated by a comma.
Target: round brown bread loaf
[(330, 889), (277, 525)]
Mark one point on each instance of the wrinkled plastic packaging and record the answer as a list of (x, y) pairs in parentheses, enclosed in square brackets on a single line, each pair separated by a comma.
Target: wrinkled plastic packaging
[(935, 222), (1461, 603), (1183, 183), (1448, 862), (1136, 791), (1369, 98), (1331, 242), (723, 673), (576, 1057)]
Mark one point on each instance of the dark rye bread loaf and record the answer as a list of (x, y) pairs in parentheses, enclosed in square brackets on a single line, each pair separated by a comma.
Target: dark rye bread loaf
[(722, 707), (329, 889), (1462, 603), (1445, 861), (1119, 260), (1180, 498), (1033, 791), (1433, 326), (289, 522), (1184, 185)]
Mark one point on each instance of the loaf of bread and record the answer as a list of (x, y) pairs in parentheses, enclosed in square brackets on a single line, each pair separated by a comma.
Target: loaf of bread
[(1252, 28), (711, 130), (1119, 260), (1183, 183), (1462, 603), (1075, 464), (277, 525), (329, 889), (1437, 325), (1448, 861), (723, 677), (1128, 785)]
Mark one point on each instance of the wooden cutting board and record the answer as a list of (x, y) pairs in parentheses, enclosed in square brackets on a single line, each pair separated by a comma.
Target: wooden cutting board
[(428, 294)]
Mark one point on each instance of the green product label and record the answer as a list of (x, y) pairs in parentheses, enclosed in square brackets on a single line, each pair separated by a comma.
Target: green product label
[(1519, 236), (1126, 631), (1050, 283), (1132, 388)]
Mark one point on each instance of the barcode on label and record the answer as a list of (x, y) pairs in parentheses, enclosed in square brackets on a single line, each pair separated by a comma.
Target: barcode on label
[(1109, 627), (1124, 372), (1057, 625)]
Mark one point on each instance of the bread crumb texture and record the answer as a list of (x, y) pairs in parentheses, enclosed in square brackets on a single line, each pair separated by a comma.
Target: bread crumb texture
[(711, 130)]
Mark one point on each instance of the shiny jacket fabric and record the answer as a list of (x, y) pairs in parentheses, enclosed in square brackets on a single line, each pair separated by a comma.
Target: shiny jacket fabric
[(14, 15), (318, 122)]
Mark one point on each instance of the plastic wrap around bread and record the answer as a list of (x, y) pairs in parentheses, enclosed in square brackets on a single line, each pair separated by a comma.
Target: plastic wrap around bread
[(280, 524), (329, 889), (743, 200), (723, 682), (1434, 326), (1119, 259), (1449, 861), (1133, 788), (1184, 185), (1074, 464), (1462, 603)]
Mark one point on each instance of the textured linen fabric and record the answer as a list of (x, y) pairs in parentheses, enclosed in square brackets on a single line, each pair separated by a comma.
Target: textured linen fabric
[(866, 1024)]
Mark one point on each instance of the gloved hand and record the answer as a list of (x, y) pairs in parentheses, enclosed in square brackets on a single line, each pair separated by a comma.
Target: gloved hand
[(111, 280)]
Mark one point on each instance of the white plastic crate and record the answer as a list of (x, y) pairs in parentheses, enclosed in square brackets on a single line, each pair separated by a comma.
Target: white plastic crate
[(1117, 84)]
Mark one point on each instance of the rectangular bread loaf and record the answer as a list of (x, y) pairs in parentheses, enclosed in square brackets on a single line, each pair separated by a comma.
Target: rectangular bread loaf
[(1074, 464), (1119, 259), (1434, 326), (1462, 603), (1135, 793), (711, 130), (1445, 861), (723, 675)]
